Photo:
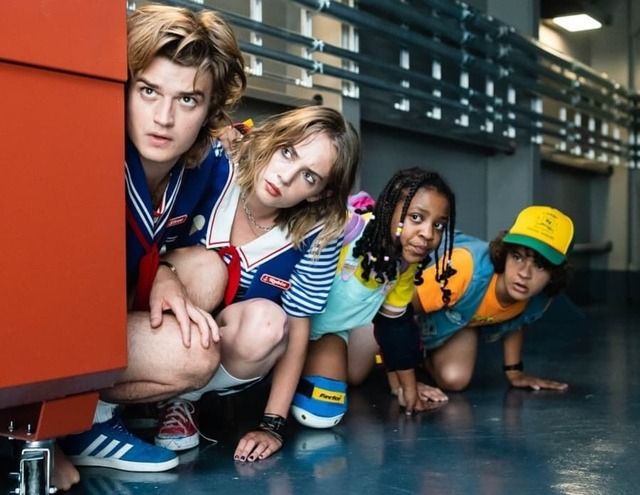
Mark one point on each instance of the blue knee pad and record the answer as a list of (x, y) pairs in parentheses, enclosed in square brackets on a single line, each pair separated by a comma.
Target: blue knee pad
[(319, 402)]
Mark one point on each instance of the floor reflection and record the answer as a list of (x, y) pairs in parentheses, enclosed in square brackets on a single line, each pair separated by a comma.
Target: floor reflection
[(487, 440)]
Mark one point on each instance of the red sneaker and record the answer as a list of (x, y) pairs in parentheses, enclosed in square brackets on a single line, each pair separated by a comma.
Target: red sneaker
[(178, 429)]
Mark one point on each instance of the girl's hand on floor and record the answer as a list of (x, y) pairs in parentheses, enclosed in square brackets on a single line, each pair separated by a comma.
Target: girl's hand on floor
[(433, 394)]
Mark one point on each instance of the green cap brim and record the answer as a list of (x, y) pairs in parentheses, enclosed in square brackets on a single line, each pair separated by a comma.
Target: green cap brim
[(551, 255)]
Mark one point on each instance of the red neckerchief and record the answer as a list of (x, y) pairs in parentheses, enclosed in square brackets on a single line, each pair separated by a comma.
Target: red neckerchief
[(147, 267), (233, 270)]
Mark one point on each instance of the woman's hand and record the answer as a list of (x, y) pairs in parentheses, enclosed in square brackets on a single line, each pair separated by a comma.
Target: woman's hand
[(256, 446)]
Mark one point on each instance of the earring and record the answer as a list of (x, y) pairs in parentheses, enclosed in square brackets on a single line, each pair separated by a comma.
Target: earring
[(399, 229)]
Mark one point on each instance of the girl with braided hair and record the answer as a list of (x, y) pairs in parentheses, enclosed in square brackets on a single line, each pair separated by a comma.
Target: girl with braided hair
[(383, 257)]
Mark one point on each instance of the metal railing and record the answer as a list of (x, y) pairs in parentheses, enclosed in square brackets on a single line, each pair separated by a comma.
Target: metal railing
[(438, 67)]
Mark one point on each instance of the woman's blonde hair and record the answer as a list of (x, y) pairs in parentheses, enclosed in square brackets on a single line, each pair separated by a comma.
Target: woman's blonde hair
[(254, 151), (192, 39)]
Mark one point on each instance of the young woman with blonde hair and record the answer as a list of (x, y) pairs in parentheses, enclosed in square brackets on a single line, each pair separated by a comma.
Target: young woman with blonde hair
[(278, 226)]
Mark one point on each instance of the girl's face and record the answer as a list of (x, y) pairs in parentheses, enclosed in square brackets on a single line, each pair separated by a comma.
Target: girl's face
[(426, 220), (296, 173), (522, 279)]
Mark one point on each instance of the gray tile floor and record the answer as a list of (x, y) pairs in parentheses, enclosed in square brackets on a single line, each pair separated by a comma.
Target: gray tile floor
[(488, 440)]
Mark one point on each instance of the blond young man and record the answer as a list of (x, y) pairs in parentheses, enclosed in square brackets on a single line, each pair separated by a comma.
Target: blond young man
[(185, 73)]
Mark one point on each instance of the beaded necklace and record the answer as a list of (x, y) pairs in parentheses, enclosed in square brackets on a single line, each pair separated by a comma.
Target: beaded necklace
[(249, 214)]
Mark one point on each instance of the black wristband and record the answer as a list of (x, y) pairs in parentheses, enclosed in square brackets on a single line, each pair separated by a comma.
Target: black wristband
[(513, 367), (399, 340), (274, 425)]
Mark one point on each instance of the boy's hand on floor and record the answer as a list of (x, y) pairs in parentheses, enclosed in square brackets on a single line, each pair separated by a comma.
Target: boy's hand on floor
[(519, 379)]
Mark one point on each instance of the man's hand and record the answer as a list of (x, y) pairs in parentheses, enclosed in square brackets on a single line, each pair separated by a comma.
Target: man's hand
[(168, 294), (519, 379)]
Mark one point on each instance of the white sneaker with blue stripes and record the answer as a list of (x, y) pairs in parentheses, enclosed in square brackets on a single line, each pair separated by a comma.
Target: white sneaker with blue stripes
[(110, 444)]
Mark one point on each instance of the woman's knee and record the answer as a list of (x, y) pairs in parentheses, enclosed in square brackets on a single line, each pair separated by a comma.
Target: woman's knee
[(263, 328)]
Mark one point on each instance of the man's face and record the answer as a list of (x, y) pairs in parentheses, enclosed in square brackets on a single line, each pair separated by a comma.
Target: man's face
[(166, 108)]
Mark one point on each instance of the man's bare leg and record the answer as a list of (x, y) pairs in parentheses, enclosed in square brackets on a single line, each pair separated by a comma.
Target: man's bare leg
[(451, 365), (160, 366)]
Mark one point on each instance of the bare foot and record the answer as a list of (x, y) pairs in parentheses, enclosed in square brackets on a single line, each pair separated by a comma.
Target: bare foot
[(65, 474)]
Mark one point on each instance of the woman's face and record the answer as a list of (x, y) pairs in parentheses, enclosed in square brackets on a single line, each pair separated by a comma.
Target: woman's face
[(296, 173)]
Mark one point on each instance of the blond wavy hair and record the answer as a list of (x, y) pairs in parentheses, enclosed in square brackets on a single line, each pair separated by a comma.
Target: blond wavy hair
[(253, 152), (192, 39)]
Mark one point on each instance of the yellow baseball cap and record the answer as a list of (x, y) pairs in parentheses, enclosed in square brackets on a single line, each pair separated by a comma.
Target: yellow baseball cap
[(545, 230)]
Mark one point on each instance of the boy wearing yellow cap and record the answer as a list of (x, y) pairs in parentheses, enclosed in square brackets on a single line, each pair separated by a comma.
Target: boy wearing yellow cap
[(493, 291)]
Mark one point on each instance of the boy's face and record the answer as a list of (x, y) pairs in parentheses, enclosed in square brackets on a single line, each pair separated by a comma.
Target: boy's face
[(166, 110), (523, 276)]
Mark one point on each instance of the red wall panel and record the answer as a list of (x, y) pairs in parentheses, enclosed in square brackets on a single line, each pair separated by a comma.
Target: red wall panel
[(62, 249), (85, 36)]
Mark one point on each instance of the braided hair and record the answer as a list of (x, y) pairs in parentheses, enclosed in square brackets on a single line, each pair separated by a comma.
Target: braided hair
[(380, 251)]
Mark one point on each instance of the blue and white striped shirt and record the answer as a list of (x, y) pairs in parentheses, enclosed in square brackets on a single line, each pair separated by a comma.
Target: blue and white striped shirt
[(271, 266), (310, 280)]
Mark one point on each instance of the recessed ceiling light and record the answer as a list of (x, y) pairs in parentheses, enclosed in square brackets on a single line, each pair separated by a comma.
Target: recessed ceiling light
[(578, 22)]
